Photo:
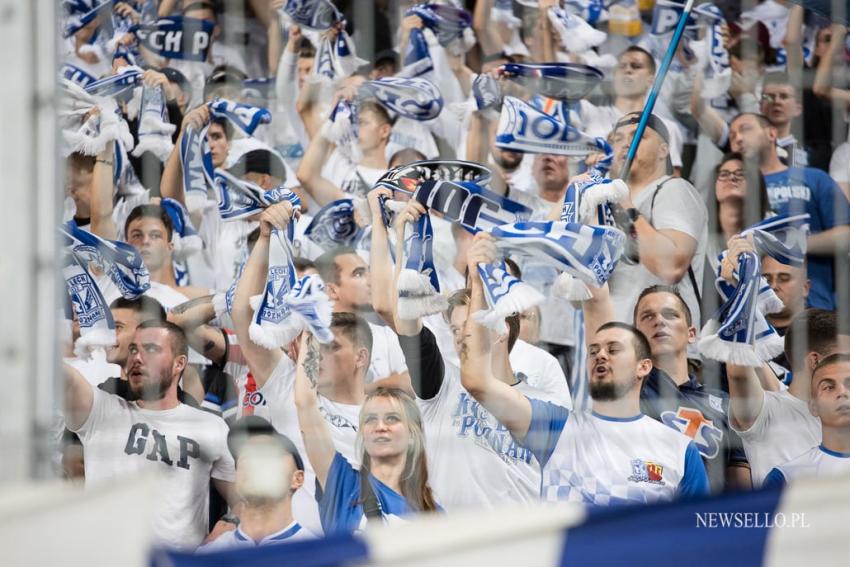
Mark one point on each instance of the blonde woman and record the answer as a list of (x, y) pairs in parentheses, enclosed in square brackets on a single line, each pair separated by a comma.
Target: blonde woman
[(393, 479)]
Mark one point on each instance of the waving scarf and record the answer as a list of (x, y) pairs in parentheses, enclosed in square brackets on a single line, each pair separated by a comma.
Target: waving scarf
[(312, 308), (81, 14), (335, 58), (240, 199), (334, 226), (447, 22), (185, 238), (76, 75), (576, 34), (154, 128), (417, 57), (414, 98), (505, 296), (717, 74), (316, 15), (342, 130), (97, 329), (195, 156), (523, 128), (418, 285), (559, 81)]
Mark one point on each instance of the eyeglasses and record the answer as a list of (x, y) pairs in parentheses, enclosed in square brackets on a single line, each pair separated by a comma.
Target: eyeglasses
[(726, 175)]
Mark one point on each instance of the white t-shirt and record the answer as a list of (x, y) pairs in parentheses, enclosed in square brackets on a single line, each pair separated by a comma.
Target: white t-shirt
[(839, 164), (783, 430), (600, 120), (387, 357), (542, 371), (276, 403), (350, 177), (817, 462), (602, 460), (473, 461), (677, 207), (186, 445), (237, 539)]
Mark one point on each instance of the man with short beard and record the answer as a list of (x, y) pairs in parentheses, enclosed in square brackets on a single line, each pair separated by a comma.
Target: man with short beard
[(154, 433), (614, 455)]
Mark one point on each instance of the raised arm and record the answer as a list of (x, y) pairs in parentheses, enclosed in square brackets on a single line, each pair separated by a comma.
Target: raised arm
[(317, 437), (79, 398), (102, 194), (666, 253), (171, 184), (192, 316), (380, 262), (822, 85), (508, 405), (310, 171), (793, 43), (261, 361)]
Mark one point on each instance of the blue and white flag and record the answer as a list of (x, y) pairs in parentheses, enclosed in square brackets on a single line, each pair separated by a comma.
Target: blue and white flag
[(523, 128), (177, 37), (576, 34), (334, 226), (588, 253), (184, 237), (505, 294), (76, 75), (126, 79), (154, 128), (738, 333), (415, 98), (245, 117), (418, 285), (468, 204), (446, 21), (316, 15)]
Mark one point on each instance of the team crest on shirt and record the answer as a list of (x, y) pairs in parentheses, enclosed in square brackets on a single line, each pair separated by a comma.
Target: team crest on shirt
[(647, 471), (689, 421)]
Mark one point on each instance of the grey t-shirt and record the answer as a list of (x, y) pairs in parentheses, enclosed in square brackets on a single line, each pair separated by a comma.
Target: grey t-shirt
[(677, 207)]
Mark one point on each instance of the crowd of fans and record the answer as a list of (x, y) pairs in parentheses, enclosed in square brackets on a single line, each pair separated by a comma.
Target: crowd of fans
[(259, 158)]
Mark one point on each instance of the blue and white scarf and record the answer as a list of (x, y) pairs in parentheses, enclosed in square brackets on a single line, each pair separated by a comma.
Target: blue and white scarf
[(311, 308), (417, 58), (97, 329), (523, 128), (184, 237), (90, 135), (195, 156), (559, 81), (154, 128), (76, 75), (591, 11), (418, 284), (316, 15), (485, 97), (177, 37), (415, 98), (342, 130), (717, 74), (576, 34), (126, 79), (223, 302), (739, 333), (782, 237), (334, 226), (81, 13), (469, 204), (240, 199), (447, 22), (335, 58), (273, 325), (588, 253), (505, 296)]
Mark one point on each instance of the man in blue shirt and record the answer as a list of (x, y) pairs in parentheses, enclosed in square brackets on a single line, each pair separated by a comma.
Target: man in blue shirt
[(797, 190)]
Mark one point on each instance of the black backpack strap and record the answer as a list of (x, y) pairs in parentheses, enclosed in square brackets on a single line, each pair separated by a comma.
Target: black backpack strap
[(691, 276), (371, 505)]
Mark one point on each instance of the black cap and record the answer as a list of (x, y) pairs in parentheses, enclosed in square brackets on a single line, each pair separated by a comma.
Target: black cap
[(175, 76), (654, 122), (252, 426), (259, 161)]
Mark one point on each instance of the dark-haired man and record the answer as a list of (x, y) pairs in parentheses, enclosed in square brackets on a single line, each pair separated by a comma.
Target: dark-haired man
[(830, 403), (778, 426), (665, 218), (154, 433), (671, 394), (798, 190), (615, 454)]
